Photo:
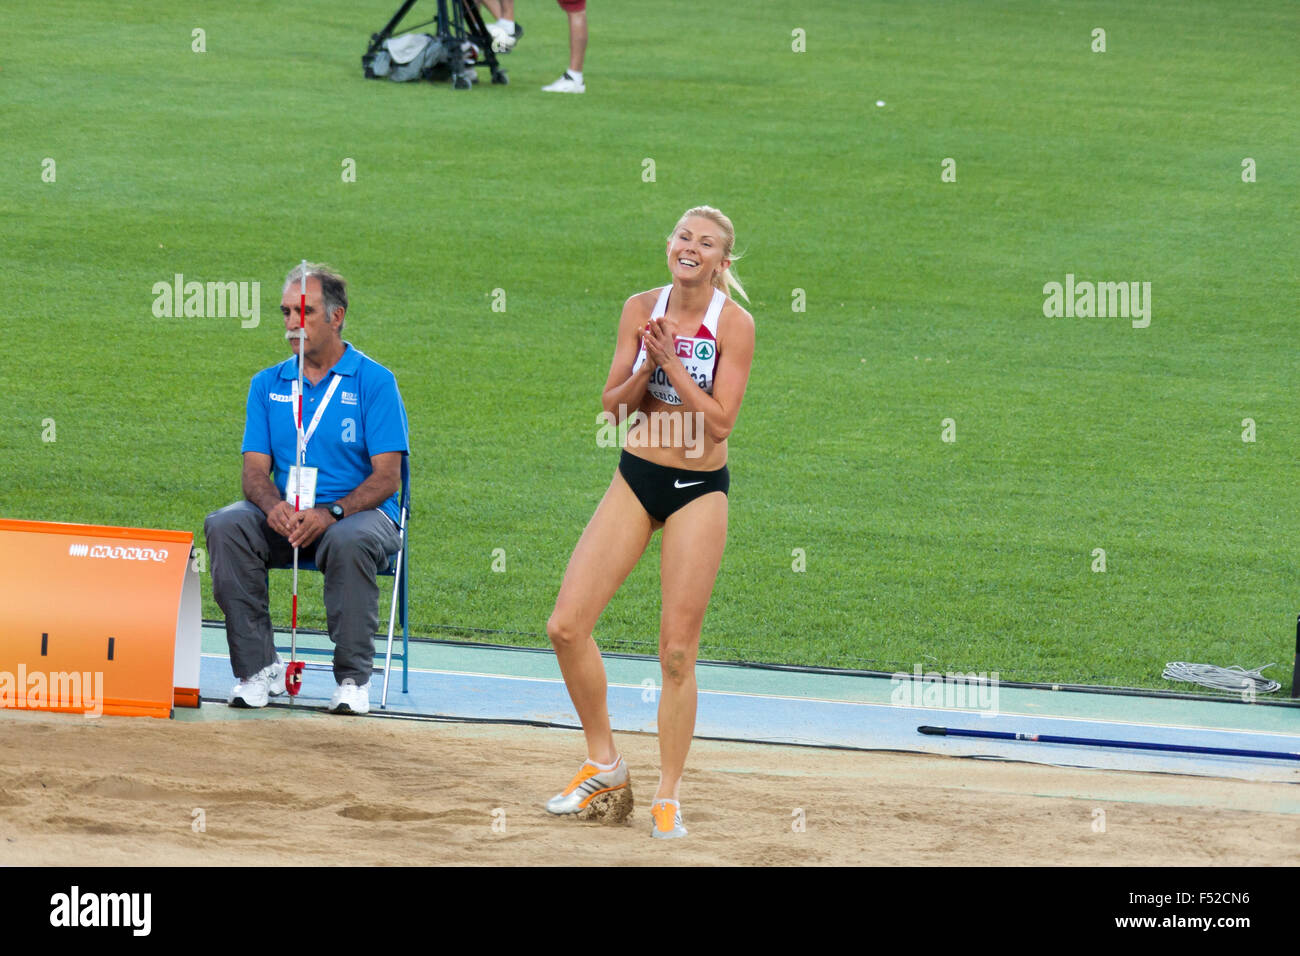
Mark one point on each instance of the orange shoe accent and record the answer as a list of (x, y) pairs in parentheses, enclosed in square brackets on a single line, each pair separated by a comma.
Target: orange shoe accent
[(586, 803), (665, 815), (588, 770)]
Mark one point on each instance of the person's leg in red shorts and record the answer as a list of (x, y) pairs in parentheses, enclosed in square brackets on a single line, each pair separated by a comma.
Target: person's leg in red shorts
[(572, 82)]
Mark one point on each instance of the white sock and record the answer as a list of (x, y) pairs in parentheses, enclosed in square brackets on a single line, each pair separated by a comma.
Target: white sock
[(508, 25), (603, 767), (576, 74)]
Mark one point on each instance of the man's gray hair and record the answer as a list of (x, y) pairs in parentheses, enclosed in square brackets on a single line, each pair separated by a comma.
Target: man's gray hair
[(333, 287)]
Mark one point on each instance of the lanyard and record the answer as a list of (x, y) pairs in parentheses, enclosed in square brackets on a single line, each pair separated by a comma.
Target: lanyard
[(320, 409)]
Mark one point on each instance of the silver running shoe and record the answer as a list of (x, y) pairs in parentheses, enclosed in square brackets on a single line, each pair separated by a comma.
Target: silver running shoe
[(589, 784), (667, 817)]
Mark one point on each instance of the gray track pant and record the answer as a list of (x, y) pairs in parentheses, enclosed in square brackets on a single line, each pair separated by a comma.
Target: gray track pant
[(241, 545)]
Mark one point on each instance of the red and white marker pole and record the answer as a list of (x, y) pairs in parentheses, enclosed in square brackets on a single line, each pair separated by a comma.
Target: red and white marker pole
[(293, 672)]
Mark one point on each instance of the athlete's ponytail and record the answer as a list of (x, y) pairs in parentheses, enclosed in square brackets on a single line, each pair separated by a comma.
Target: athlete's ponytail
[(726, 280)]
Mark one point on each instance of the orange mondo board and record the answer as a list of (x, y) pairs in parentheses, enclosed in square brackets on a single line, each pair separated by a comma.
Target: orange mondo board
[(97, 619)]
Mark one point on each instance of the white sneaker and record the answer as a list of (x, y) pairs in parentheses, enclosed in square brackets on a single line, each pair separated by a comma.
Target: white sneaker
[(350, 699), (565, 84), (503, 41), (254, 691)]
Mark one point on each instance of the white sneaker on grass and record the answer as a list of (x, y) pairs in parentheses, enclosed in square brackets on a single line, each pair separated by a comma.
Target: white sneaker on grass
[(504, 40), (566, 84), (350, 699), (253, 692)]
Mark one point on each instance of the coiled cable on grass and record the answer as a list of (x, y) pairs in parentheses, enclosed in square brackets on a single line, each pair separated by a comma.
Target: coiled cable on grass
[(1234, 678)]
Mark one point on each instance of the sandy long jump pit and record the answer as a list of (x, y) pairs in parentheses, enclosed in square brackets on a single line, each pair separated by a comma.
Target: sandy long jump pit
[(366, 791)]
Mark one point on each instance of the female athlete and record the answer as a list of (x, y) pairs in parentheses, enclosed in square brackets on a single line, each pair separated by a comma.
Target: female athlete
[(681, 364)]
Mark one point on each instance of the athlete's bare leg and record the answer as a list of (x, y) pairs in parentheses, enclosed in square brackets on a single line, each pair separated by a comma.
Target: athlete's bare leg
[(608, 550), (691, 551)]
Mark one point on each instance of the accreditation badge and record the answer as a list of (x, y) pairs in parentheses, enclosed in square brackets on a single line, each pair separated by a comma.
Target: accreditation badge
[(302, 482)]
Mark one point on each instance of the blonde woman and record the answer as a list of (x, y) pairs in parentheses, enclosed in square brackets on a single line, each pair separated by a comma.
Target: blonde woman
[(682, 362)]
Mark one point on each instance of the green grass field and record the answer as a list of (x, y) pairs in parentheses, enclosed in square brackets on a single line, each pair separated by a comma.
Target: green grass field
[(924, 302)]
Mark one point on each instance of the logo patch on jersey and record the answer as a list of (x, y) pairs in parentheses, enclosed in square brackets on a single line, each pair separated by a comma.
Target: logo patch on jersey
[(697, 356), (279, 398), (349, 398)]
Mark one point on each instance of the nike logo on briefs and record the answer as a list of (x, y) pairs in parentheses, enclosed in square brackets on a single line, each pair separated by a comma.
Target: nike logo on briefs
[(678, 484)]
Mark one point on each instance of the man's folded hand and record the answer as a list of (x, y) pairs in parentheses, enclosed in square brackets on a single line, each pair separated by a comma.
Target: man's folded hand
[(308, 526), (281, 518)]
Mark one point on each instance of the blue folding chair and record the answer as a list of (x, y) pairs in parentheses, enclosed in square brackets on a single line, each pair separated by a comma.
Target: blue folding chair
[(399, 571)]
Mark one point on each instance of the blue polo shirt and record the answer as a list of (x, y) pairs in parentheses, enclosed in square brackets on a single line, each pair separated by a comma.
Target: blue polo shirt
[(364, 417)]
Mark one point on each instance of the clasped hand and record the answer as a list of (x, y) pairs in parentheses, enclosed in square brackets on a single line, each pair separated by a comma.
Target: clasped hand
[(659, 346), (300, 527)]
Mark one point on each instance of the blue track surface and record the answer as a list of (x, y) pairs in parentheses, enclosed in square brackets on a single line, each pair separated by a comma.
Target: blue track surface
[(807, 720)]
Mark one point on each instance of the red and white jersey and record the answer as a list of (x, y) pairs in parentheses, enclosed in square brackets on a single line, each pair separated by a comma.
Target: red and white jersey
[(698, 353)]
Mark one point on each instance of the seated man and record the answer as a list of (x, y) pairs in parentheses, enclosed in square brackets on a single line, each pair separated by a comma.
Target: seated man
[(355, 428)]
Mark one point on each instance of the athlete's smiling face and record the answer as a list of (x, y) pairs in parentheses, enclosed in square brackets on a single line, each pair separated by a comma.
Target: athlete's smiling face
[(695, 250), (317, 328)]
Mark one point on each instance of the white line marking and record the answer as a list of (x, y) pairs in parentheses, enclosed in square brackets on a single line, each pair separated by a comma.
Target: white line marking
[(865, 703)]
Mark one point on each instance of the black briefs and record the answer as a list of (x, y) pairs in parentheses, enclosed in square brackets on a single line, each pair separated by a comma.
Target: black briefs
[(662, 490)]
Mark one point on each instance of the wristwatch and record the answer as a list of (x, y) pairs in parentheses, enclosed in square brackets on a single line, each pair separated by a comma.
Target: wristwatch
[(337, 511)]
